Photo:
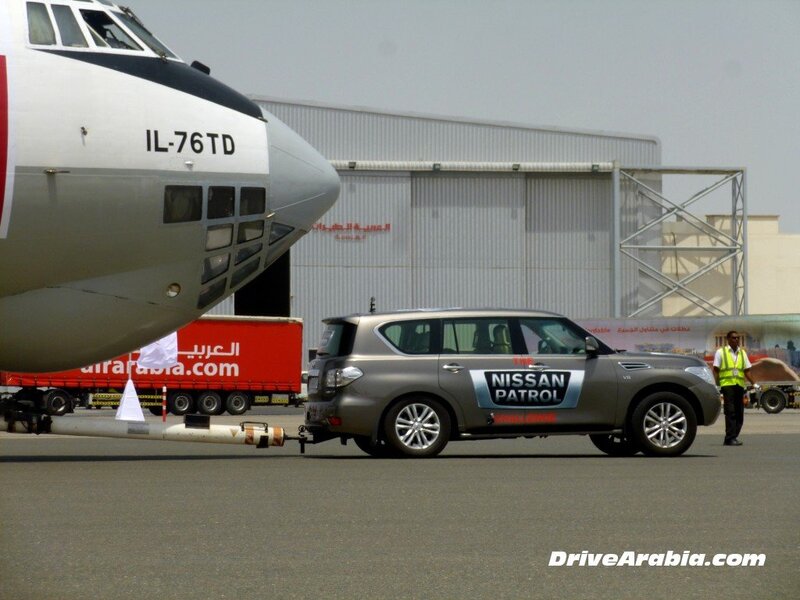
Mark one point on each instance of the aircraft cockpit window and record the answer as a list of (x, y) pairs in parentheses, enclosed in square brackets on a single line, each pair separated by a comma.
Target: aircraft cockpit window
[(71, 34), (220, 202), (253, 202), (219, 236), (241, 274), (106, 29), (278, 231), (135, 25), (215, 266), (249, 231), (210, 294), (183, 203), (40, 28)]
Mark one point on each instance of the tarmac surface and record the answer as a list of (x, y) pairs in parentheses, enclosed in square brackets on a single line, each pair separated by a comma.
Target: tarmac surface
[(103, 518)]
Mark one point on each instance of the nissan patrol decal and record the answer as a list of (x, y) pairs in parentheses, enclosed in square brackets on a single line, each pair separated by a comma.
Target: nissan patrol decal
[(518, 389)]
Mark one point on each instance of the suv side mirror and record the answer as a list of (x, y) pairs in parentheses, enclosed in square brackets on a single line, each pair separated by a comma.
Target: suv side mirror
[(592, 346)]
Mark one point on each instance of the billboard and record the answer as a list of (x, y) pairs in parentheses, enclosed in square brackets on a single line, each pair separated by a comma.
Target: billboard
[(764, 336)]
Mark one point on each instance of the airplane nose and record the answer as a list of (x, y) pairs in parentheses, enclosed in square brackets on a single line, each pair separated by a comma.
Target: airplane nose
[(303, 184)]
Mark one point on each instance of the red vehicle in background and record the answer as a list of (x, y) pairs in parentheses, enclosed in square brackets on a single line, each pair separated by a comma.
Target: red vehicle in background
[(224, 363)]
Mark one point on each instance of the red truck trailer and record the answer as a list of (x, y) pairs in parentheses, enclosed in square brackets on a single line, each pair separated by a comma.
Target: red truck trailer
[(224, 363)]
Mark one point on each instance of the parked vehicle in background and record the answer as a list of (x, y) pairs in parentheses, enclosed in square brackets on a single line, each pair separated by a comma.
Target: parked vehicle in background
[(224, 363), (407, 383), (768, 340), (774, 396)]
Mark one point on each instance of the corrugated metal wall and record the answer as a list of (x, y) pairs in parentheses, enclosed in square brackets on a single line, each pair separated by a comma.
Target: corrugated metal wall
[(472, 240), (460, 239), (469, 240), (569, 235), (348, 133), (361, 248)]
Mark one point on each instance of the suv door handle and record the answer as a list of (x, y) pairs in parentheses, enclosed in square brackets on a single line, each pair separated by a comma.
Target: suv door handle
[(452, 367), (538, 367)]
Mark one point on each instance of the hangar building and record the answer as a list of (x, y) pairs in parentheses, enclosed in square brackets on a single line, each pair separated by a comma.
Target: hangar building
[(438, 212)]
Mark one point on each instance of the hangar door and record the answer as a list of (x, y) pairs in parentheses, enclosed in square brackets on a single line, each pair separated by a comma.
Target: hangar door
[(568, 250), (468, 240)]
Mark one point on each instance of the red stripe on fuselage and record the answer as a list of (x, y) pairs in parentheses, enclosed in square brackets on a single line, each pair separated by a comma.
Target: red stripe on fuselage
[(3, 132)]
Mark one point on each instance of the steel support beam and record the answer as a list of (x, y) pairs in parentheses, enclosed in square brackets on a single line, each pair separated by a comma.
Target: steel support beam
[(731, 244)]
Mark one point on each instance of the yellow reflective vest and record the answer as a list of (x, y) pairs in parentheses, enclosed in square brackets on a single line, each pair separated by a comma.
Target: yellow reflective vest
[(728, 365)]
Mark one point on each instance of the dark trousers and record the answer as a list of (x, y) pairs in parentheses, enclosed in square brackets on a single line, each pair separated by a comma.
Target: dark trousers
[(733, 405)]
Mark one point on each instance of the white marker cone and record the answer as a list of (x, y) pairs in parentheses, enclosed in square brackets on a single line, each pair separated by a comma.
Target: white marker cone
[(129, 407)]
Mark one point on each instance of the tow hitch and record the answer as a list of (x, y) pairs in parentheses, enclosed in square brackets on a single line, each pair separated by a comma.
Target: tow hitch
[(302, 437)]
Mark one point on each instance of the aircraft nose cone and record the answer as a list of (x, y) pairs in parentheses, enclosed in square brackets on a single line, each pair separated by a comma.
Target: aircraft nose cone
[(303, 184)]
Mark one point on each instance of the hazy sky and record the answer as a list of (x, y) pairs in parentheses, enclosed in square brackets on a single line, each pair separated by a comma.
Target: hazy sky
[(717, 81)]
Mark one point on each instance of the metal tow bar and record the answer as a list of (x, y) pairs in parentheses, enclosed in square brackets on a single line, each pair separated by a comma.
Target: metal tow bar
[(195, 428)]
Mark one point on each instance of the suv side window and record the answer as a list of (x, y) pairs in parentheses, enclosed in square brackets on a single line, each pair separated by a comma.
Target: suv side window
[(410, 337), (337, 339), (551, 336), (477, 336)]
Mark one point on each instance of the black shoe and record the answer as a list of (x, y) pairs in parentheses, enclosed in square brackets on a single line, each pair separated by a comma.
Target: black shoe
[(733, 442)]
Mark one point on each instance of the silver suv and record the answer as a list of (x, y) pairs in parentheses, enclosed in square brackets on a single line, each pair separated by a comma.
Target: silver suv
[(406, 383)]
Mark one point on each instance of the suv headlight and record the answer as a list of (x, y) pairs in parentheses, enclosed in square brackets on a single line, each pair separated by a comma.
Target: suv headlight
[(703, 373), (336, 378)]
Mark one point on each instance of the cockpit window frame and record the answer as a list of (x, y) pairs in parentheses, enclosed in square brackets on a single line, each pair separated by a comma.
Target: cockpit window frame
[(84, 12), (95, 42), (129, 19), (75, 20), (51, 21)]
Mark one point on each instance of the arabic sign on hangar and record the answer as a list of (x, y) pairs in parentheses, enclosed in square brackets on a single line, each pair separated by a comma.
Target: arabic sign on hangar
[(351, 231)]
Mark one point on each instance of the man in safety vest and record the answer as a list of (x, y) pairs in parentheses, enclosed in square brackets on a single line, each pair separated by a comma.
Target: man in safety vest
[(731, 367)]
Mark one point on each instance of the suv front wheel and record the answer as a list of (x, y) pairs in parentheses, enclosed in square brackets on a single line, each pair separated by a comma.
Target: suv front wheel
[(417, 427), (664, 424)]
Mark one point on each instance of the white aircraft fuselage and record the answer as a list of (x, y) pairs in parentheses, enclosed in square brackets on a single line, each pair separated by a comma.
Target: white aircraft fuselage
[(135, 191)]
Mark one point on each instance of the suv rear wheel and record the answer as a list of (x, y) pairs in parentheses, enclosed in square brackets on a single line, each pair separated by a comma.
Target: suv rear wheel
[(417, 427), (664, 424)]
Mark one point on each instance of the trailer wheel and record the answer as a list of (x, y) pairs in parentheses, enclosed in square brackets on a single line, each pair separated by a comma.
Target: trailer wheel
[(180, 403), (773, 401), (57, 402), (210, 403), (237, 403)]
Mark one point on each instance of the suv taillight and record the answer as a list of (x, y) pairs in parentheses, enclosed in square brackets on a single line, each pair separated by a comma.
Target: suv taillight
[(337, 378)]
